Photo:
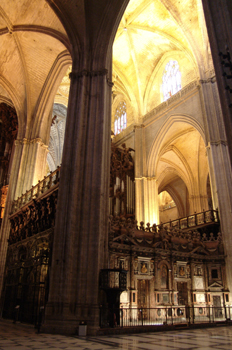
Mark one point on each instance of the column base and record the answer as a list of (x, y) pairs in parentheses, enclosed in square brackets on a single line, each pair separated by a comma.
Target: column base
[(67, 323)]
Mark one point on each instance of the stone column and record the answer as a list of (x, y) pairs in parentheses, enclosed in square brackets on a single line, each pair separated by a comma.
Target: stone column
[(218, 18), (32, 165), (80, 247), (146, 189), (219, 165), (152, 199), (194, 205), (140, 180)]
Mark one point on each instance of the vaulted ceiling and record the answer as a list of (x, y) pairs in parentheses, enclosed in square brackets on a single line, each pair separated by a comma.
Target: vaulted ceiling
[(33, 40), (151, 30)]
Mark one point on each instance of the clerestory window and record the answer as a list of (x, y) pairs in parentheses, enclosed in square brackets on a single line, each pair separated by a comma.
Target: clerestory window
[(120, 120), (171, 82)]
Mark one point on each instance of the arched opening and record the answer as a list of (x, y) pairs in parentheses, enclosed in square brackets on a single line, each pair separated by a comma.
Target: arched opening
[(167, 207), (173, 197), (56, 141)]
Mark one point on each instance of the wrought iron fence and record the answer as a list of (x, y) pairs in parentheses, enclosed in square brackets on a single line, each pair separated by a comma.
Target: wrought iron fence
[(162, 316)]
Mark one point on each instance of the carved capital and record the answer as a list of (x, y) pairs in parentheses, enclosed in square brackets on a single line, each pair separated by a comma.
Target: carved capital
[(148, 178), (110, 83), (87, 73), (217, 143), (211, 80), (139, 126), (25, 141)]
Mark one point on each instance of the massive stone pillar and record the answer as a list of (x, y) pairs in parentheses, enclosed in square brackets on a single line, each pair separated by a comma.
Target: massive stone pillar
[(218, 17), (80, 240), (219, 165), (80, 246)]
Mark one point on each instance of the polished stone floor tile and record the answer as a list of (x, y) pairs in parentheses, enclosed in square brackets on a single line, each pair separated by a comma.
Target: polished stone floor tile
[(25, 337)]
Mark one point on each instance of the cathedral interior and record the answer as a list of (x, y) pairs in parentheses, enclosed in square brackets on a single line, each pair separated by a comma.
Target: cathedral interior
[(115, 162)]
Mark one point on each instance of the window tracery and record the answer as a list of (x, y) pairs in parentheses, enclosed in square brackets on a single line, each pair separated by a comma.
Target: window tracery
[(120, 120), (171, 81)]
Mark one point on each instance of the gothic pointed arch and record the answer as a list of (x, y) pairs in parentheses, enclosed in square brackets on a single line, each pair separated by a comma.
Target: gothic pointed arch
[(47, 96), (153, 157)]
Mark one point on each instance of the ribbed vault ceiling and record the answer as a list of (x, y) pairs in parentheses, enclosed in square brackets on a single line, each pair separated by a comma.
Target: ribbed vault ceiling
[(149, 30), (31, 39)]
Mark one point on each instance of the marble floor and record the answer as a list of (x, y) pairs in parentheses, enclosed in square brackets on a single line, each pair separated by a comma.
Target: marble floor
[(25, 337)]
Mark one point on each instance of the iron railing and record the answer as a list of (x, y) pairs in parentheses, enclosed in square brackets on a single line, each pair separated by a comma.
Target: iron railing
[(162, 316)]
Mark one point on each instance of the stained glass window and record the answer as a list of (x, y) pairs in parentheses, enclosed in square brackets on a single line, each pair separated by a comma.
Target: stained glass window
[(171, 83), (120, 121)]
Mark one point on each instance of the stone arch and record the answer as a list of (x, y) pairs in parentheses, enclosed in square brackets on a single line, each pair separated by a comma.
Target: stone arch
[(13, 102), (179, 203), (7, 101), (46, 99), (154, 154), (176, 173), (109, 15), (188, 180), (56, 141), (164, 262)]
